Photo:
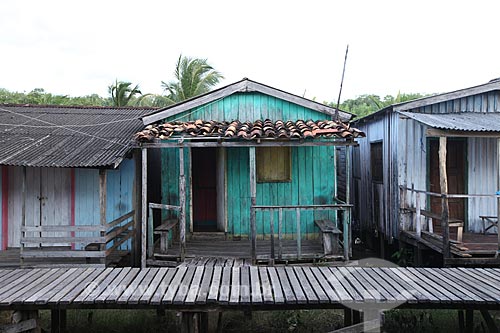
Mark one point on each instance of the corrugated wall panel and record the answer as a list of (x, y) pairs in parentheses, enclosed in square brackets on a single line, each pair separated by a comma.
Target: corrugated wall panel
[(482, 179)]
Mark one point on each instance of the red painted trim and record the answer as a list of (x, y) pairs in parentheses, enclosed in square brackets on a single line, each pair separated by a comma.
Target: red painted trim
[(72, 176), (5, 208)]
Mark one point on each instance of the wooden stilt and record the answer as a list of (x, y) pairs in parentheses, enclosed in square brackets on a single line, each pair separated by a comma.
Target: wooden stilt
[(253, 198), (58, 321), (182, 204), (461, 321), (490, 322), (348, 317), (469, 321)]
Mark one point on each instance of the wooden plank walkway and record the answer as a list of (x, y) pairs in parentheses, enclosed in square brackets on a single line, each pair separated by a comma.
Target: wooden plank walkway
[(199, 288)]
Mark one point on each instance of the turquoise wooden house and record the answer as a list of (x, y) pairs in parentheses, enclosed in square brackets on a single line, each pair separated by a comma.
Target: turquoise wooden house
[(249, 171)]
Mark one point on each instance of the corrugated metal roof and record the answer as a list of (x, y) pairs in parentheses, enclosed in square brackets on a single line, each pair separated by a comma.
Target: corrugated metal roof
[(61, 136), (236, 129), (466, 121)]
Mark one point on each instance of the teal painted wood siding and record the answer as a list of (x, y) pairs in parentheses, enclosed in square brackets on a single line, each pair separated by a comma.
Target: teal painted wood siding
[(119, 192), (313, 174)]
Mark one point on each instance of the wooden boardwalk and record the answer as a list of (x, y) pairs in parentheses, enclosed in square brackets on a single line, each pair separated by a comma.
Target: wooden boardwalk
[(200, 288)]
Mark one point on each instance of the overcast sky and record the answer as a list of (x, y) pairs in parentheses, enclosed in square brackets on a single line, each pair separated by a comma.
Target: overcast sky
[(80, 47)]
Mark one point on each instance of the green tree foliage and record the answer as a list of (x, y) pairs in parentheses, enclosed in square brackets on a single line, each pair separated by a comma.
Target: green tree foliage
[(193, 77), (39, 96), (122, 93), (364, 105)]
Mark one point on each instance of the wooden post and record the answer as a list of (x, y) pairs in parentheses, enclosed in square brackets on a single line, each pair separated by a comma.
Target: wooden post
[(144, 209), (57, 321), (102, 206), (137, 210), (469, 320), (280, 233), (253, 198), (402, 205), (418, 217), (498, 198), (299, 235), (150, 232), (347, 213), (271, 227), (182, 204), (443, 177), (23, 215)]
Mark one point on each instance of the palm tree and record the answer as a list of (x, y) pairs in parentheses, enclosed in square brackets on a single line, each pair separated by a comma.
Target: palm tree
[(122, 93), (193, 77)]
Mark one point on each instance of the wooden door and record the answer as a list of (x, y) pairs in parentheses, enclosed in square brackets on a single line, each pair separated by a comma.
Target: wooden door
[(455, 168), (204, 187)]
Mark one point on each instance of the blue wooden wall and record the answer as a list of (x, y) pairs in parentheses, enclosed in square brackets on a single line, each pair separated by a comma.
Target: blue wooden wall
[(313, 174), (119, 194)]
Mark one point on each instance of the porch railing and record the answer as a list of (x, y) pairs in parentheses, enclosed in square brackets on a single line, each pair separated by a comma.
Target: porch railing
[(415, 205), (35, 243), (297, 209), (166, 207)]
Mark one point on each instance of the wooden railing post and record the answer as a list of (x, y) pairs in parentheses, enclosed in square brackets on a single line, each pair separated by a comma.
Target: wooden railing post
[(418, 224), (444, 197), (253, 202), (280, 233), (271, 227), (347, 213), (182, 204), (299, 235)]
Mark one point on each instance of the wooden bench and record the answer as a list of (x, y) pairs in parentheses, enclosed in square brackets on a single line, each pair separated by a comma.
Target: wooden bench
[(452, 222), (330, 236), (492, 220), (163, 230)]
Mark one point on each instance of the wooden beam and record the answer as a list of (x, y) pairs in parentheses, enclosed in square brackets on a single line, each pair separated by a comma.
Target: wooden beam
[(137, 206), (443, 179), (23, 214), (144, 206), (253, 201), (347, 213), (182, 204), (102, 205), (181, 142)]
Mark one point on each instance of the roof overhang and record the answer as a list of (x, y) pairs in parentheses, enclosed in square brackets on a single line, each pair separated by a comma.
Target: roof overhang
[(466, 124)]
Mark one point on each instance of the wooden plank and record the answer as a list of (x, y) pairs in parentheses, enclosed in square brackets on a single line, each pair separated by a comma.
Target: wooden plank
[(280, 233), (108, 290), (488, 285), (205, 285), (63, 254), (376, 284), (455, 287), (300, 295), (54, 295), (213, 294), (185, 286), (17, 285), (61, 279), (454, 294), (415, 287), (315, 285), (255, 285), (343, 291), (246, 287), (158, 286), (182, 204), (406, 290), (174, 285), (57, 240), (225, 285), (478, 291), (234, 297), (298, 233), (303, 282), (164, 206), (279, 297), (101, 286), (64, 228), (120, 219), (285, 284), (28, 285), (353, 286), (418, 279), (91, 275), (15, 280), (121, 286), (139, 287), (194, 286)]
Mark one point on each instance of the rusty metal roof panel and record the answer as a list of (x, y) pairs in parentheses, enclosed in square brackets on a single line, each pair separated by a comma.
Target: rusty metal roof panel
[(61, 136), (466, 121)]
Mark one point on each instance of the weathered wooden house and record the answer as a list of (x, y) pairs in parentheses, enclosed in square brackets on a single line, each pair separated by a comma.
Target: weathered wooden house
[(247, 168), (400, 192), (67, 182)]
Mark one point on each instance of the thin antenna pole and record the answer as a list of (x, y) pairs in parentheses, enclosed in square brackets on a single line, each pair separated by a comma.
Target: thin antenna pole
[(337, 117)]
